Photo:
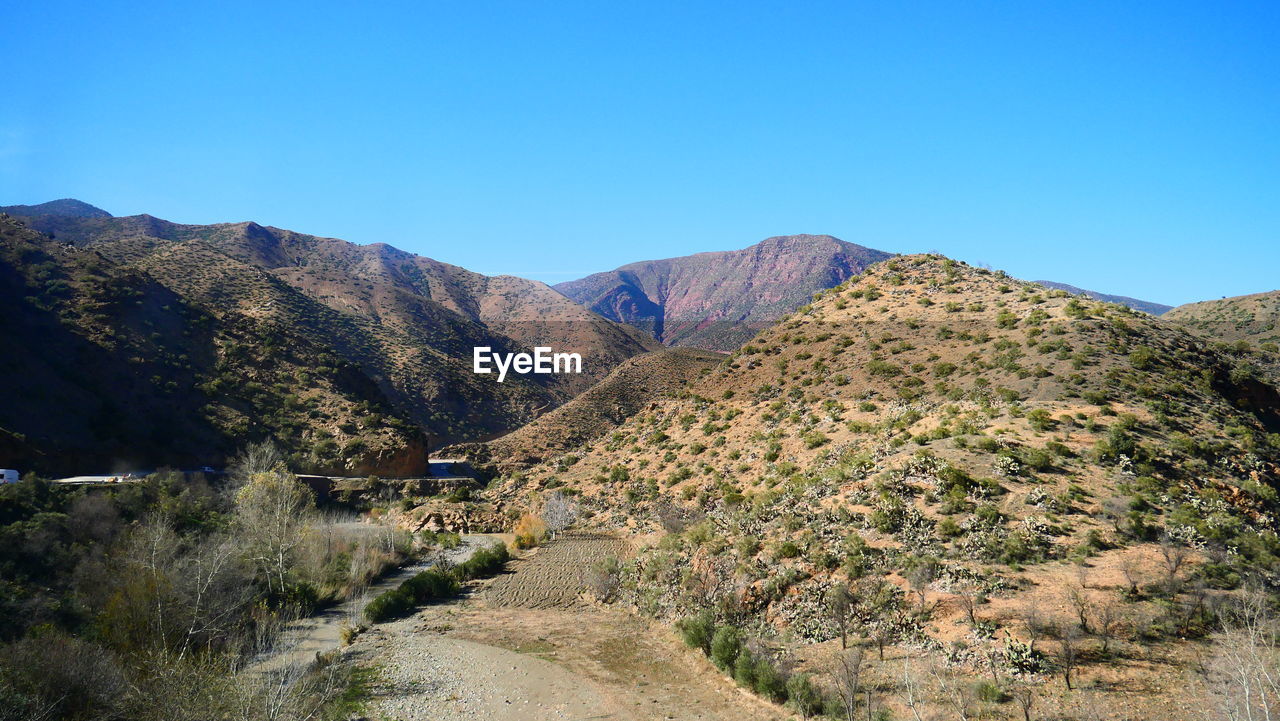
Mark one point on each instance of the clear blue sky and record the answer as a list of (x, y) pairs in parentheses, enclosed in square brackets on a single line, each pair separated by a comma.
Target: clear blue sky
[(1126, 147)]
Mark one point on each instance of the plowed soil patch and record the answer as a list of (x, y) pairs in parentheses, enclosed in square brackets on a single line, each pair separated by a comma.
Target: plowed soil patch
[(556, 575)]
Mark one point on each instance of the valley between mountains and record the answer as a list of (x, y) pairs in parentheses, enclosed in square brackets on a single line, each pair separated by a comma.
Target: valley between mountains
[(805, 478)]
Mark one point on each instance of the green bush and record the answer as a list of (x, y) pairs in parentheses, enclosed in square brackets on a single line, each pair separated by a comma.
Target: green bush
[(434, 584), (744, 669), (430, 585), (990, 693), (483, 563), (389, 605), (725, 646), (697, 630), (802, 696), (769, 683)]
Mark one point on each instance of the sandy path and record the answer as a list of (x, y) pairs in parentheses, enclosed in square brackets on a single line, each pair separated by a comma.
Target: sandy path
[(471, 659), (302, 640)]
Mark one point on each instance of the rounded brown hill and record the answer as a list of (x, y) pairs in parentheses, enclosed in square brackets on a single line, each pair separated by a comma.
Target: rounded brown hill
[(930, 433), (633, 385), (1254, 318)]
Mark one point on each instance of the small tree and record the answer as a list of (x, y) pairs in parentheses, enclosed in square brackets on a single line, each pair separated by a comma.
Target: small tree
[(846, 677), (1034, 623), (968, 598), (802, 696), (725, 646), (920, 577), (1105, 622), (840, 606), (1244, 673), (558, 512), (1069, 652), (1024, 694), (272, 511), (1080, 602), (1174, 555)]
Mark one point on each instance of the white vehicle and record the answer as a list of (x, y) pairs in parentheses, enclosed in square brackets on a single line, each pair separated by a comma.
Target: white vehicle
[(8, 475)]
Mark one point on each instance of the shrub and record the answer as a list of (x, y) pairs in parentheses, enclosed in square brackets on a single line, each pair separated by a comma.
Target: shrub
[(802, 696), (530, 530), (434, 584), (697, 630), (388, 606), (990, 693), (485, 562), (744, 669), (769, 683), (725, 646)]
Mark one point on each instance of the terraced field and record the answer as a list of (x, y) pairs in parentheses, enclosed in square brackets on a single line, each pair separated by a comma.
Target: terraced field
[(554, 576)]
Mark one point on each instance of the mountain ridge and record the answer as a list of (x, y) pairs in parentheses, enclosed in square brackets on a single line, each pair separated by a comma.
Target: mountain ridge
[(408, 322), (1145, 306), (717, 299)]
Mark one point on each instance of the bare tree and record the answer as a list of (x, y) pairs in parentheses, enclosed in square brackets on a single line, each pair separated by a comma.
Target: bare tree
[(273, 509), (1080, 602), (1105, 623), (1116, 509), (1024, 694), (1244, 672), (840, 606), (214, 590), (846, 677), (912, 688), (1068, 651), (1132, 577), (675, 519), (1034, 623), (968, 598), (605, 579), (1174, 555), (558, 512), (253, 459), (952, 690)]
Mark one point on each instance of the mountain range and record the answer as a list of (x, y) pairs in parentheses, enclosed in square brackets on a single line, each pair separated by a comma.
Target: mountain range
[(406, 323), (402, 324)]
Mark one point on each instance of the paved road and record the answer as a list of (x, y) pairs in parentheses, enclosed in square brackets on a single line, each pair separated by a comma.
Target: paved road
[(94, 480)]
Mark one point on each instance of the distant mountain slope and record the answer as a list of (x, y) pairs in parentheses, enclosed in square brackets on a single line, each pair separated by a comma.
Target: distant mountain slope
[(1253, 317), (637, 382), (1143, 305), (67, 208), (117, 371), (718, 300), (407, 322)]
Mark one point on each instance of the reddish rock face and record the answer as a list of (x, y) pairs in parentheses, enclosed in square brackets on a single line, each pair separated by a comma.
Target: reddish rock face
[(719, 300)]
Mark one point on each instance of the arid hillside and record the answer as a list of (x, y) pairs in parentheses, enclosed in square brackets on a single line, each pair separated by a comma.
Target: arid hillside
[(1254, 318), (1145, 306), (718, 300), (636, 383), (110, 369), (1022, 481), (407, 322)]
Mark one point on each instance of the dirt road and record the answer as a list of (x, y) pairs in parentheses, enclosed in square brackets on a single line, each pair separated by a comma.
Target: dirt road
[(302, 640), (526, 648)]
